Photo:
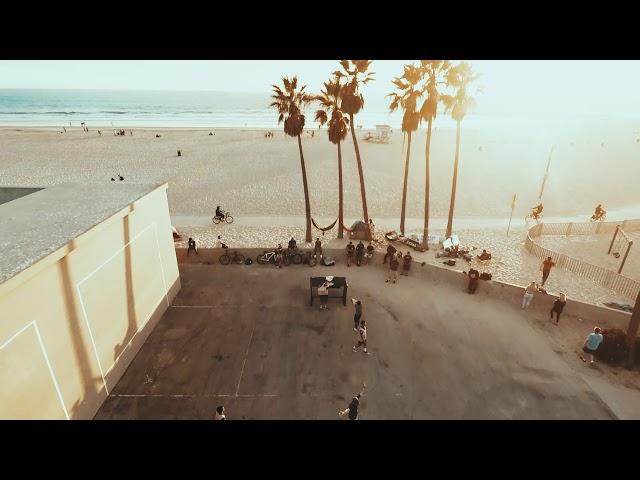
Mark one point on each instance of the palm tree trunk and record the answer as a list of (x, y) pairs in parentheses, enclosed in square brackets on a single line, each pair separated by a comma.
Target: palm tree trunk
[(404, 188), (306, 193), (632, 332), (363, 194), (455, 181), (425, 233), (340, 197)]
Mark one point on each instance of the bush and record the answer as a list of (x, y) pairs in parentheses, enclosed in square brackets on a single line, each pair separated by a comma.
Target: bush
[(614, 349)]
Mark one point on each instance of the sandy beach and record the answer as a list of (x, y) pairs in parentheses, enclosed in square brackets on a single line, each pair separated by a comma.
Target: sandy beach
[(258, 180)]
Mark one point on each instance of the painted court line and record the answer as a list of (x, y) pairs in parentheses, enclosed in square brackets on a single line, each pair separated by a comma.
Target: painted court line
[(46, 358), (245, 358), (160, 395)]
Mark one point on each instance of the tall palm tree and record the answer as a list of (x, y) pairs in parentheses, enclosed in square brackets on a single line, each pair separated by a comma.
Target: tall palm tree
[(290, 104), (459, 78), (356, 73), (330, 100), (407, 99), (433, 71)]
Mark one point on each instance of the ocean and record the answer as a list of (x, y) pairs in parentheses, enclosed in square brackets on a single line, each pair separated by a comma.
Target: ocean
[(120, 108)]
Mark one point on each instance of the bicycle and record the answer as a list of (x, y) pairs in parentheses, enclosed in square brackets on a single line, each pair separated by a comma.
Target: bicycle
[(226, 259), (267, 257), (600, 218), (292, 256), (226, 217), (310, 259)]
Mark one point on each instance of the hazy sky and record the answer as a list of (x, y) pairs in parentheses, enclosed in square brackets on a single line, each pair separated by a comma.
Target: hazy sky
[(509, 87)]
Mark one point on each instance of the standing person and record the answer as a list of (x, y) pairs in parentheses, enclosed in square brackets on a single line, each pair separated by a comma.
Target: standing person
[(359, 253), (361, 338), (546, 269), (371, 227), (317, 250), (592, 343), (323, 293), (558, 306), (192, 246), (528, 294), (406, 263), (352, 409), (391, 251), (219, 415), (393, 269), (350, 250), (474, 275), (356, 317), (369, 254)]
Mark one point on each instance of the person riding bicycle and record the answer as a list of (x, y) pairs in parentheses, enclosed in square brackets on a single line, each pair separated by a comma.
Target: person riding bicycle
[(537, 211), (599, 212), (292, 244), (219, 212)]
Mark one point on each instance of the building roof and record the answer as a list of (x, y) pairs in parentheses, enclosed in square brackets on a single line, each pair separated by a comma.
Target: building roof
[(38, 224)]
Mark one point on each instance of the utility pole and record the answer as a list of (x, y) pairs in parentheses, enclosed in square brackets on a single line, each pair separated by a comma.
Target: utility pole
[(513, 206), (546, 173)]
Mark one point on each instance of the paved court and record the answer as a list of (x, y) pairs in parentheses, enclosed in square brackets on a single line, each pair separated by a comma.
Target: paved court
[(245, 337)]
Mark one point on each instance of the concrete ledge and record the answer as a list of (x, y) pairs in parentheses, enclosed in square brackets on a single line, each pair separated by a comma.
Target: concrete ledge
[(507, 292)]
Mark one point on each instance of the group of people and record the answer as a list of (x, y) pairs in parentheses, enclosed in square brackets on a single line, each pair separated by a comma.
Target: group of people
[(361, 253), (120, 133), (395, 259), (120, 178), (598, 213), (268, 134)]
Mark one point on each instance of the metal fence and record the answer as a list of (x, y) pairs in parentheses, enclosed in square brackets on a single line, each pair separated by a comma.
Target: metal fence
[(607, 278)]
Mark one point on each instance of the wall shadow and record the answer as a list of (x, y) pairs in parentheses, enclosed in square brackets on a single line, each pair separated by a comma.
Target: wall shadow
[(132, 320), (90, 391)]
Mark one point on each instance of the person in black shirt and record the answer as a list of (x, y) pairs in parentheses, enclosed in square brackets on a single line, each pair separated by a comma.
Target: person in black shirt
[(558, 306), (352, 409), (350, 250), (391, 251), (369, 255), (474, 275), (192, 246), (359, 253), (318, 248), (292, 244)]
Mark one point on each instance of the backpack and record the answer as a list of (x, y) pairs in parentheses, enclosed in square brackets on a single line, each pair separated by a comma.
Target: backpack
[(328, 261)]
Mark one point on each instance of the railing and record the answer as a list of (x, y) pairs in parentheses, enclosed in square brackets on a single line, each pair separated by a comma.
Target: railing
[(602, 276)]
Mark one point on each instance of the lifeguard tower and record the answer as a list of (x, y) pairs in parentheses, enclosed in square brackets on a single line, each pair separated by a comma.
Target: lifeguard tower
[(382, 135)]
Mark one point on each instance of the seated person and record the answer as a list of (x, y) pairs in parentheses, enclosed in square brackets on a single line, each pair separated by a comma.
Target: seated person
[(292, 244), (445, 253), (454, 252), (219, 212), (484, 255)]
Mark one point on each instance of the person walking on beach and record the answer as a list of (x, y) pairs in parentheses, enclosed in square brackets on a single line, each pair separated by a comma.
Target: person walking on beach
[(369, 254), (361, 338), (219, 415), (317, 250), (323, 293), (546, 269), (192, 246), (558, 306), (474, 275), (591, 344), (359, 253), (528, 294), (352, 409), (356, 317), (391, 251), (393, 270), (406, 263), (350, 250)]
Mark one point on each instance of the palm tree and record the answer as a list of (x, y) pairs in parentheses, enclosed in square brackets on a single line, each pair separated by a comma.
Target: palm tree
[(434, 72), (290, 104), (352, 102), (407, 99), (459, 104), (338, 125)]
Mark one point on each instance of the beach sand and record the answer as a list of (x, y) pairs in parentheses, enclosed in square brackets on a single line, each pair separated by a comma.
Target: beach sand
[(259, 181)]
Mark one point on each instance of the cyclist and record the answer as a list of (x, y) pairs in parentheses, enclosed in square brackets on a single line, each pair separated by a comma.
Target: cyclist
[(219, 213), (292, 244), (537, 211), (599, 212)]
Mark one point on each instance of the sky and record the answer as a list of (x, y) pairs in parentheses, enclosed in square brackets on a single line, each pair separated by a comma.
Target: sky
[(508, 87)]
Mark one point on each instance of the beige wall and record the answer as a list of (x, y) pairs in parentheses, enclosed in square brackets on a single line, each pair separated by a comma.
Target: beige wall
[(71, 324)]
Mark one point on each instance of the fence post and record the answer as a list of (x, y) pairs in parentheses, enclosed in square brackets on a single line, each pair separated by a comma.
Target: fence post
[(613, 239), (568, 232)]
